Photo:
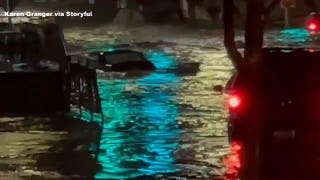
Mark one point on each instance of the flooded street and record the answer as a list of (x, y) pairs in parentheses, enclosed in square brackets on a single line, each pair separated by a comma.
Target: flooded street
[(165, 124), (159, 126), (162, 123)]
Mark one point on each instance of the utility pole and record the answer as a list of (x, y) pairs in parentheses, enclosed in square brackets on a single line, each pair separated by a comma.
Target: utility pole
[(287, 5), (122, 4), (185, 8), (91, 1), (287, 20), (192, 9), (128, 13)]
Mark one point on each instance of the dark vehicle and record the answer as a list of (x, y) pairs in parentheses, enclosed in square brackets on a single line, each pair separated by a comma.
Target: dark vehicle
[(313, 23), (274, 120), (290, 116), (121, 61), (290, 96)]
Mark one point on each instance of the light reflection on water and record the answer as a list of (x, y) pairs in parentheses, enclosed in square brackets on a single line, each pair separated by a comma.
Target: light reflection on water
[(141, 135), (164, 124), (294, 37), (142, 132), (159, 124)]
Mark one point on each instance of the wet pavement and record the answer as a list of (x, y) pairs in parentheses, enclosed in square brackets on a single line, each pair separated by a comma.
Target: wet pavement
[(160, 126)]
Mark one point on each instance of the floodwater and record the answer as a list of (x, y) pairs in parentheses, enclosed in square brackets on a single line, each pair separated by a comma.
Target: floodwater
[(159, 126), (164, 125)]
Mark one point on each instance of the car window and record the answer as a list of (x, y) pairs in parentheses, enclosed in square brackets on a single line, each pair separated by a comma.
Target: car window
[(123, 56)]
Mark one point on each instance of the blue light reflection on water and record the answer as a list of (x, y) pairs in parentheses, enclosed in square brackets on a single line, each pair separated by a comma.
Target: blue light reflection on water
[(161, 60), (294, 35), (142, 132)]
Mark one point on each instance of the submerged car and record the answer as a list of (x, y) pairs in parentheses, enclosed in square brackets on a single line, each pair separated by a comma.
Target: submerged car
[(289, 118), (122, 60), (290, 97)]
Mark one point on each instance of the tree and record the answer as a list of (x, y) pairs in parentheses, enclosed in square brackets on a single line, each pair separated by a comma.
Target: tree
[(253, 36), (249, 66)]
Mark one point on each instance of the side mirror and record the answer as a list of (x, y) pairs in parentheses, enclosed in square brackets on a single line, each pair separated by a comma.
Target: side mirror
[(218, 88)]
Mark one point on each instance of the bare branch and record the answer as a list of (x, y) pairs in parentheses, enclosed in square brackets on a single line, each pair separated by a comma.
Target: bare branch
[(254, 30), (228, 15), (312, 5), (272, 5)]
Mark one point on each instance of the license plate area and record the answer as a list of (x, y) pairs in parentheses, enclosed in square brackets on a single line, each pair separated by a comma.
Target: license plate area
[(284, 134)]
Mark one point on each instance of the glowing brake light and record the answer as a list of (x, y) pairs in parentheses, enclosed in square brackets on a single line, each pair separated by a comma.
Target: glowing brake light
[(312, 26), (234, 101)]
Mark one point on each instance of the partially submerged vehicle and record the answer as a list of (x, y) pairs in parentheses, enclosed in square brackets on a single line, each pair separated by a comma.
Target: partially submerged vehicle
[(273, 102), (122, 60), (289, 96), (290, 102), (126, 62), (286, 89), (134, 62)]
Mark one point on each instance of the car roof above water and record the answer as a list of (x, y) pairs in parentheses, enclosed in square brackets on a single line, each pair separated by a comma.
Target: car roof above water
[(120, 55), (118, 51)]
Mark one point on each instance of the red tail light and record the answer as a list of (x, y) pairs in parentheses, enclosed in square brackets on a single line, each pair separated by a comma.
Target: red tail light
[(234, 101), (313, 25)]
